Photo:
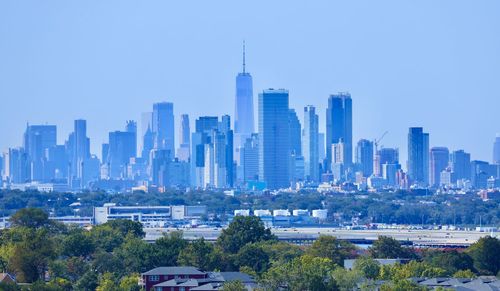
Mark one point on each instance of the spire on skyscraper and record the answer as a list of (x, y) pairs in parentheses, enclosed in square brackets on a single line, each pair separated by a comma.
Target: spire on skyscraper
[(243, 57)]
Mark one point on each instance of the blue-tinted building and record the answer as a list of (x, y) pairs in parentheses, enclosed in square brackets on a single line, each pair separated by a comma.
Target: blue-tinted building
[(244, 115), (339, 126), (310, 146), (460, 165), (364, 157), (163, 126), (274, 138), (418, 165)]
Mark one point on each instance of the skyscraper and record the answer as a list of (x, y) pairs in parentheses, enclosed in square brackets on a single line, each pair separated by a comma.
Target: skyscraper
[(122, 147), (244, 116), (310, 146), (339, 125), (295, 133), (250, 158), (37, 139), (163, 126), (274, 138), (418, 156), (185, 137), (460, 165), (80, 151), (385, 156), (364, 157), (439, 159), (496, 151)]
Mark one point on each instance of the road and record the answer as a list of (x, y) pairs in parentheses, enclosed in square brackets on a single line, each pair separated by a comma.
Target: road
[(417, 237)]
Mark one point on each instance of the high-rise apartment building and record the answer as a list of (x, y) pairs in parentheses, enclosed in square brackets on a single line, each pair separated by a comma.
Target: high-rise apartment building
[(439, 160), (274, 138), (310, 146), (339, 125), (364, 157), (418, 156)]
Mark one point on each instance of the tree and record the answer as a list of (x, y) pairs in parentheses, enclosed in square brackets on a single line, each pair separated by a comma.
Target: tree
[(252, 255), (409, 270), (129, 283), (452, 261), (303, 273), (199, 254), (106, 238), (346, 279), (486, 255), (87, 282), (280, 252), (234, 286), (107, 283), (464, 274), (388, 248), (402, 285), (77, 244), (125, 226), (367, 266), (135, 255), (241, 231), (167, 249), (31, 218), (31, 254), (332, 248)]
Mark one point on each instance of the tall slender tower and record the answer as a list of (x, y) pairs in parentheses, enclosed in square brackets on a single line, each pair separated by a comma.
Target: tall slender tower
[(339, 126), (274, 138), (310, 146), (244, 116)]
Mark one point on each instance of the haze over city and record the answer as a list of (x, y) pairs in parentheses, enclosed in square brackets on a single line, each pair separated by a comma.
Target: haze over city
[(431, 64)]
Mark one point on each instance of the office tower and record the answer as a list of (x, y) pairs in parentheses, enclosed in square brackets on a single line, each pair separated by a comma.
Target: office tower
[(321, 147), (17, 166), (385, 156), (38, 138), (439, 160), (183, 153), (131, 127), (1, 169), (274, 138), (57, 160), (426, 159), (148, 141), (79, 152), (481, 171), (146, 126), (389, 173), (460, 165), (418, 143), (338, 162), (496, 150), (205, 124), (339, 125), (225, 129), (250, 158), (364, 157), (163, 126), (244, 116), (310, 144), (295, 133), (160, 159), (122, 147)]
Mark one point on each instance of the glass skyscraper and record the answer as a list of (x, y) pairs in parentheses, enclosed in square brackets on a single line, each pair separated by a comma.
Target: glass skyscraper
[(339, 126), (496, 151), (418, 155), (310, 146), (244, 116), (439, 159), (163, 126), (364, 157), (274, 138)]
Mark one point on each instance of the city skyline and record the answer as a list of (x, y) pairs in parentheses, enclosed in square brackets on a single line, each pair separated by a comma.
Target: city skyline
[(400, 72)]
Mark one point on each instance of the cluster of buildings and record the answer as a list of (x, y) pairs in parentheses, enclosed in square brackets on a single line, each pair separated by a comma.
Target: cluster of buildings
[(285, 218), (221, 153)]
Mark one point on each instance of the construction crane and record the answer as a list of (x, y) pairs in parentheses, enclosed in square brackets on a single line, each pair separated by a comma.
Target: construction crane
[(376, 141)]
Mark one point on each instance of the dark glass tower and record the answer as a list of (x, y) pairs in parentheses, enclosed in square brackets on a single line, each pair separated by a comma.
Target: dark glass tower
[(339, 126)]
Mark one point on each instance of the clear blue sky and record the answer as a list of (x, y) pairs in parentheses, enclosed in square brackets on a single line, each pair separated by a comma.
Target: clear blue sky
[(406, 63)]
